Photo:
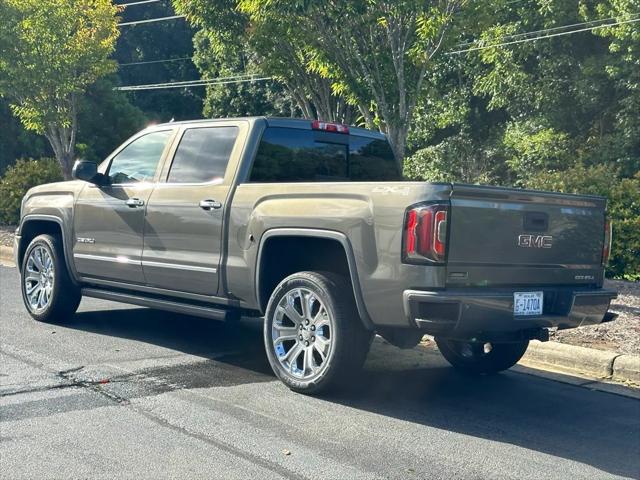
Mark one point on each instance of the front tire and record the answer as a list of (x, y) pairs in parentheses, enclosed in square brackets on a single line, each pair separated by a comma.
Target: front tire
[(313, 335), (481, 358), (47, 290)]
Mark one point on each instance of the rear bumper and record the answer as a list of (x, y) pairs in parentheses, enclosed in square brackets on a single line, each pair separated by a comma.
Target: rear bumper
[(474, 312)]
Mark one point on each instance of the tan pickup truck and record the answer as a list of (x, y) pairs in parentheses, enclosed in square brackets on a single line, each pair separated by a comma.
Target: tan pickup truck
[(310, 225)]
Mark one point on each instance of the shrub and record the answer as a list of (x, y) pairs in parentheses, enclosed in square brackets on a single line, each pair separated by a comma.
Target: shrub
[(19, 178), (456, 159), (623, 208), (531, 148)]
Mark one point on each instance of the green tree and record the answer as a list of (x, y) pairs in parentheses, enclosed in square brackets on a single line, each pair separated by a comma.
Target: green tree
[(376, 54), (158, 42), (335, 59), (50, 52), (230, 43), (105, 119)]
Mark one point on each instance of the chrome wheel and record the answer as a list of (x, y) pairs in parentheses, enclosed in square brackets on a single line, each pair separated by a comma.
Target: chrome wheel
[(302, 333), (39, 278)]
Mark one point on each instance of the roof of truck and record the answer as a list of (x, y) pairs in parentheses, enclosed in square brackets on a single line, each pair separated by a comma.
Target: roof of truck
[(286, 122)]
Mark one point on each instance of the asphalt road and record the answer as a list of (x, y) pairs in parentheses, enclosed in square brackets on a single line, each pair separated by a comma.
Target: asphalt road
[(134, 393)]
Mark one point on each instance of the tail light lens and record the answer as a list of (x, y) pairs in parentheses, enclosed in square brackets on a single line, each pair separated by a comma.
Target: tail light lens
[(608, 237), (425, 234)]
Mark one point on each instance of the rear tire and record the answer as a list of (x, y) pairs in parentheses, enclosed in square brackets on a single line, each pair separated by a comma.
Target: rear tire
[(313, 335), (478, 358), (47, 290)]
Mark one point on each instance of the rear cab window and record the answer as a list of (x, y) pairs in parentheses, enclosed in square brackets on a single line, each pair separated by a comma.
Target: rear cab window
[(298, 155)]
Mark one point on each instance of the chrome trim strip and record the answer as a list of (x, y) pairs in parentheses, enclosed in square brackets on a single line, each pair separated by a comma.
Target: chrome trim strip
[(100, 258), (144, 263), (179, 266)]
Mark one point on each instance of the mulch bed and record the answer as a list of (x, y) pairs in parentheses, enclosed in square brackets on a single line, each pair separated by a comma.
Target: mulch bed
[(622, 335), (6, 235)]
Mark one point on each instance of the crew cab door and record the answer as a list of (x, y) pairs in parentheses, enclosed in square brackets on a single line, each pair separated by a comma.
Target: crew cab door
[(183, 230), (109, 219)]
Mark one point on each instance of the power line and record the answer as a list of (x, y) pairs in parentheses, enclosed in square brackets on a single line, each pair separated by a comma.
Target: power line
[(533, 39), (189, 84), (150, 20), (131, 4), (154, 61), (231, 77), (545, 30)]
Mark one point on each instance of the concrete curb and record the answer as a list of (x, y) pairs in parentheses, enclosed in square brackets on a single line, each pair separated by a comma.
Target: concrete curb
[(568, 361), (6, 254), (626, 368), (584, 361)]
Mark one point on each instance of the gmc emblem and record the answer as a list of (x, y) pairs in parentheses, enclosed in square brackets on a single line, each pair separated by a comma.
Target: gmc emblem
[(535, 241)]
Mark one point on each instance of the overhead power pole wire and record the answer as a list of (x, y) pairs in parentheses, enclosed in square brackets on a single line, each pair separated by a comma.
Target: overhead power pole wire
[(150, 20), (541, 37), (545, 30), (154, 61), (189, 84), (131, 4), (230, 77)]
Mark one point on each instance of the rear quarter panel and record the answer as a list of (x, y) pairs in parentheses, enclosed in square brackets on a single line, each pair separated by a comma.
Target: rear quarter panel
[(370, 215)]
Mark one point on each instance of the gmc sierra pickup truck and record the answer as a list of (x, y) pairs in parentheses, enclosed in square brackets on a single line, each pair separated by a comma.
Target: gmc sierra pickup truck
[(309, 225)]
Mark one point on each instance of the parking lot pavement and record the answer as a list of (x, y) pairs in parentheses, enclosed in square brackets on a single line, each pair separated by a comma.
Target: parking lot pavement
[(128, 392)]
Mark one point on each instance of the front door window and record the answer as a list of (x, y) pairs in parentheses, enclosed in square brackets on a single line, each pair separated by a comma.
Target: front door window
[(138, 161)]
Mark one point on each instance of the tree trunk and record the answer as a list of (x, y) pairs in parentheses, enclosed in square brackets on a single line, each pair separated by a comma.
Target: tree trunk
[(397, 136), (63, 140)]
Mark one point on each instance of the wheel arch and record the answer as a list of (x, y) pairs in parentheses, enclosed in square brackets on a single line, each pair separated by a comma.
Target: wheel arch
[(338, 258), (33, 225)]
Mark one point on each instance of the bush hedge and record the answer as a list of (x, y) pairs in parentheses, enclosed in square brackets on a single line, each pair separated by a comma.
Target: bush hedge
[(20, 177)]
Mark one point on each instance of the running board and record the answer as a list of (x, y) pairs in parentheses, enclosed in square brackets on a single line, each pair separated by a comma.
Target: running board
[(161, 304)]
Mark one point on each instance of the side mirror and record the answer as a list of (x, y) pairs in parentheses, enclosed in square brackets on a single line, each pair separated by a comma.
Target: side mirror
[(88, 172)]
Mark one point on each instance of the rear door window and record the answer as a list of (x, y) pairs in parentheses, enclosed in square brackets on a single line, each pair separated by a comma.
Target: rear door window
[(296, 155), (202, 155)]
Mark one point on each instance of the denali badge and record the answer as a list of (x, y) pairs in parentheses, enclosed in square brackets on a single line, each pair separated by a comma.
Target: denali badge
[(86, 240), (535, 241)]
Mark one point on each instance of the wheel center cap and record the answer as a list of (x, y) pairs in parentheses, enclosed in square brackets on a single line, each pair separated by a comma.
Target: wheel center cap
[(306, 334)]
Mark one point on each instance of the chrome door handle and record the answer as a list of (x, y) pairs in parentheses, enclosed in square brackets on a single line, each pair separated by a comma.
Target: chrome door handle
[(134, 202), (209, 204)]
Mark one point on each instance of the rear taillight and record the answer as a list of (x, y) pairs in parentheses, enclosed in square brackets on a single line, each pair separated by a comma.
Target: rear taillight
[(425, 234), (329, 127), (608, 237)]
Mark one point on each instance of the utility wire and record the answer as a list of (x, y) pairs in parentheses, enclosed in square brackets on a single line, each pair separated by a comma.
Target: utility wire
[(231, 77), (154, 61), (541, 37), (201, 83), (131, 4), (545, 30), (150, 20)]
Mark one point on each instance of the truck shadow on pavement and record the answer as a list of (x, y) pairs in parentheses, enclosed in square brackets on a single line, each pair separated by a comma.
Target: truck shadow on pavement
[(590, 427)]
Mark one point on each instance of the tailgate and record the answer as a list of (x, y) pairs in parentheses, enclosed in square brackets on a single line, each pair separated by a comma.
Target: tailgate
[(500, 236)]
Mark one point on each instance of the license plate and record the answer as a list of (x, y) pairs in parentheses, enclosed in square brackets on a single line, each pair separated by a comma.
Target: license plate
[(527, 303)]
